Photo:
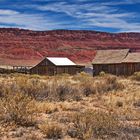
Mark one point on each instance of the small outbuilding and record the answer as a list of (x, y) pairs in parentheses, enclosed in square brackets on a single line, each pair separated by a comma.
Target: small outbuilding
[(56, 65), (109, 61)]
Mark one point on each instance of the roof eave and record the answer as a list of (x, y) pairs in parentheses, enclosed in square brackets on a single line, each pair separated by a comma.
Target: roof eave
[(105, 63)]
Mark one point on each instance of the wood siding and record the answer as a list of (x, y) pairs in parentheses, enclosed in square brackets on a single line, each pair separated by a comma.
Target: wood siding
[(45, 67), (117, 69)]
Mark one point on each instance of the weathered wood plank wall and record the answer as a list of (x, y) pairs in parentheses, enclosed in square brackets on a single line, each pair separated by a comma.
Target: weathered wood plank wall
[(117, 69)]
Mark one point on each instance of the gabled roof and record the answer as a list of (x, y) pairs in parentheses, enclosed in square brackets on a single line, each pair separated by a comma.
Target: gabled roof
[(61, 61), (132, 58), (110, 56)]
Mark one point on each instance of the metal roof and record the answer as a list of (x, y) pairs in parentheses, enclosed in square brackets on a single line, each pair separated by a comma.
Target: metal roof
[(61, 61), (132, 58), (110, 56)]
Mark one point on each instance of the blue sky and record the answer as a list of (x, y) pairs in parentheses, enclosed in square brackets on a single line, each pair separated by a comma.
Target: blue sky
[(100, 15)]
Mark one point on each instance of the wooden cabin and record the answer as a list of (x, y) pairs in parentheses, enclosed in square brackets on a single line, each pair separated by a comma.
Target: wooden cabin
[(56, 65), (109, 61), (131, 63)]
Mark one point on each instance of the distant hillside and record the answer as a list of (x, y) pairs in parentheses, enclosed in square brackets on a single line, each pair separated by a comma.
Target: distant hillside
[(26, 47)]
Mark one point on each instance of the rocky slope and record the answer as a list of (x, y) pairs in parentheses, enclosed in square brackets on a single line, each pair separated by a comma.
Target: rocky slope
[(26, 47)]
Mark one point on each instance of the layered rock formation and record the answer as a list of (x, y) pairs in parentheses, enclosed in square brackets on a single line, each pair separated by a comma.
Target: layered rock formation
[(26, 47)]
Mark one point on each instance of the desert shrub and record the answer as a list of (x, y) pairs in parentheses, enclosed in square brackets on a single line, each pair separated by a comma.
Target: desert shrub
[(34, 87), (119, 104), (17, 108), (51, 130), (136, 76), (84, 74), (136, 103), (58, 89), (46, 107), (110, 83), (65, 91), (88, 88), (102, 73), (17, 75), (62, 75), (33, 136), (61, 90), (86, 83), (35, 76), (113, 83), (100, 85), (94, 124), (53, 89), (82, 77)]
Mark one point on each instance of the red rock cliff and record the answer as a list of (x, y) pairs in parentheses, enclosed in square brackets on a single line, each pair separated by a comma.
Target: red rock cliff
[(26, 47)]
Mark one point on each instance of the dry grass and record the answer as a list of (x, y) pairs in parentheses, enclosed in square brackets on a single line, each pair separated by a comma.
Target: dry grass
[(51, 130), (80, 106), (17, 108), (60, 88), (94, 124), (136, 76), (46, 107)]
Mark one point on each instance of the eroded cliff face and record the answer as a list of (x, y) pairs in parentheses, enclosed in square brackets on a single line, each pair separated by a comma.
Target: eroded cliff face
[(27, 47)]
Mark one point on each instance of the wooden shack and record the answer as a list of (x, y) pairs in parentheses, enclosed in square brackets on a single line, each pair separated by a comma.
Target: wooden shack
[(131, 63), (56, 65), (109, 61)]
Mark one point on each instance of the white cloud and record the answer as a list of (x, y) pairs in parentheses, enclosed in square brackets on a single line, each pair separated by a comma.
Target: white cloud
[(88, 15), (71, 9), (122, 2), (98, 14), (11, 18), (8, 12)]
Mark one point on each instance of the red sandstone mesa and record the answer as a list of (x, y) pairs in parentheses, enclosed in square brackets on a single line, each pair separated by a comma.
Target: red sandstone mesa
[(27, 47)]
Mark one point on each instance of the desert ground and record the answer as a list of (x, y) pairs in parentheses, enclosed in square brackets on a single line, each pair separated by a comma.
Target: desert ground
[(83, 107)]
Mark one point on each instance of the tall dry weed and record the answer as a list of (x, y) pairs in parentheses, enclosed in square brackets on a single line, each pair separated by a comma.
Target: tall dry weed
[(91, 124), (17, 108)]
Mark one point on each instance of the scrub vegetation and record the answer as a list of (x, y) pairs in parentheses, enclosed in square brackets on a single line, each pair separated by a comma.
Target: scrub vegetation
[(69, 107)]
